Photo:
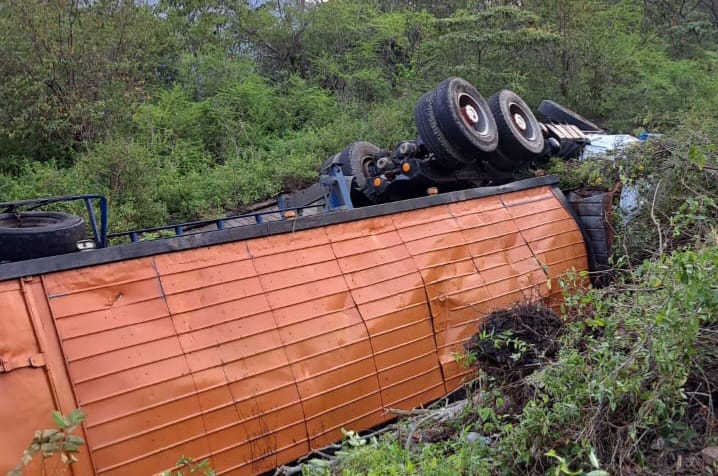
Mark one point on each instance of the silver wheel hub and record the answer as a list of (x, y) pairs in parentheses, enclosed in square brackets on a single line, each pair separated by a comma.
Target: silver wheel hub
[(520, 122), (471, 114)]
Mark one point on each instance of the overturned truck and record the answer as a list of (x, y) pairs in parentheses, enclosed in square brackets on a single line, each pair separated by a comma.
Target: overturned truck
[(252, 340)]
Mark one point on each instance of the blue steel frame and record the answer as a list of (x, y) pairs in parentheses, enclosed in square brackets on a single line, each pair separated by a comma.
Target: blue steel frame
[(334, 183)]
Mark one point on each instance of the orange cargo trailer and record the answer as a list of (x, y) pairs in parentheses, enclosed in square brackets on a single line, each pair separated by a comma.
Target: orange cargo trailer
[(253, 345)]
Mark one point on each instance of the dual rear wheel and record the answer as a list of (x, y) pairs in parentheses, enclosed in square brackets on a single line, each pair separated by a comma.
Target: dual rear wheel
[(459, 127)]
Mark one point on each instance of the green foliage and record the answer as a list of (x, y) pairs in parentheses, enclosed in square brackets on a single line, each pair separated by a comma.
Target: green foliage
[(54, 444), (385, 456), (485, 46), (73, 71), (193, 107), (634, 371), (599, 172)]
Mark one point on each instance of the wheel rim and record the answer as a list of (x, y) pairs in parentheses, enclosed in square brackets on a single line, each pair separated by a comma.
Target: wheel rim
[(521, 121), (473, 114)]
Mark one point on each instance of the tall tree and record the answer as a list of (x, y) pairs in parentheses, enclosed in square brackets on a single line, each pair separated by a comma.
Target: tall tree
[(69, 67)]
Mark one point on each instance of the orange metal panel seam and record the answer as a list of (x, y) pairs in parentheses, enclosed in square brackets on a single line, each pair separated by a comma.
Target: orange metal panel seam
[(258, 458), (194, 383), (95, 288), (478, 272), (553, 193), (366, 331), (119, 416), (234, 401), (58, 373), (398, 328), (344, 424), (199, 414), (334, 369), (541, 265), (433, 318), (174, 444), (347, 280), (36, 326), (252, 439), (307, 438), (404, 363)]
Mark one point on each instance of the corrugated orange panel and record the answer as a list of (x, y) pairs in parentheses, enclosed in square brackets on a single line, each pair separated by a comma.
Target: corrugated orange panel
[(109, 319), (104, 276), (325, 339), (248, 395), (435, 241), (103, 298), (387, 288), (201, 258), (115, 355), (99, 343), (512, 273), (192, 280)]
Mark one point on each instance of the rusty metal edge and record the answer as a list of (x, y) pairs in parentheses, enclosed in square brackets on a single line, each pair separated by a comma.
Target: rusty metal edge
[(148, 248)]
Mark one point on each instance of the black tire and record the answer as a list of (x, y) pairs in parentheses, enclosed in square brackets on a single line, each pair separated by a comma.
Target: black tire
[(432, 137), (31, 235), (464, 117), (331, 160), (520, 137), (354, 159), (557, 113)]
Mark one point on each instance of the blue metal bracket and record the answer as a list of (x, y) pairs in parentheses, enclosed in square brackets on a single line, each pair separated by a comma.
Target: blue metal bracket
[(336, 190)]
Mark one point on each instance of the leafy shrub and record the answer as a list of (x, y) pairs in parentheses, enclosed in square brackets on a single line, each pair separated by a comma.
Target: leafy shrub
[(54, 444)]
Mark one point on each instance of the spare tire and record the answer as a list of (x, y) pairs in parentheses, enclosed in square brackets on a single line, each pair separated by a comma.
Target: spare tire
[(557, 113), (520, 137), (465, 119), (29, 235), (432, 137)]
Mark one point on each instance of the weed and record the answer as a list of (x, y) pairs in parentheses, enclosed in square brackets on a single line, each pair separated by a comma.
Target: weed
[(58, 447)]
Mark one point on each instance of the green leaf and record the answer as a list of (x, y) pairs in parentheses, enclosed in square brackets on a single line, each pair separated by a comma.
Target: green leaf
[(51, 435), (60, 420), (49, 449), (75, 439), (76, 416), (71, 447)]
